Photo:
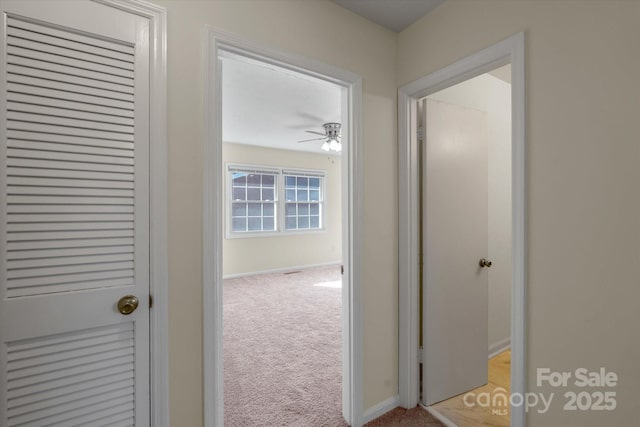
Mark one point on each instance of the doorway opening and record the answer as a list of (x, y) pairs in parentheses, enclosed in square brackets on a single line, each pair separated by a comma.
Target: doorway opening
[(414, 354), (467, 270), (282, 249), (238, 203)]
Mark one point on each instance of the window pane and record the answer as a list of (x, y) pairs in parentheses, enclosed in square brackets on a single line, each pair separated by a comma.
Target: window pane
[(314, 182), (303, 222), (268, 180), (239, 209), (239, 224), (290, 209), (290, 181), (253, 179), (255, 209), (291, 195), (268, 223), (268, 209), (268, 194), (239, 194), (239, 178), (303, 181), (291, 223), (255, 224), (314, 195), (314, 209), (314, 222), (303, 209), (303, 195), (253, 194)]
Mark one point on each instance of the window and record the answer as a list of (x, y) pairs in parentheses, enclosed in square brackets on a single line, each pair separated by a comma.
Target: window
[(303, 202), (253, 201), (255, 208)]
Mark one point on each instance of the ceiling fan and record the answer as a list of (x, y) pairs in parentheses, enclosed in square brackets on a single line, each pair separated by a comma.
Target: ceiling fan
[(331, 137)]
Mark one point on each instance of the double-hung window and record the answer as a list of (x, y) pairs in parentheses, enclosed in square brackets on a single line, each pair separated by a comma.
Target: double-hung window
[(253, 200), (266, 200), (303, 195)]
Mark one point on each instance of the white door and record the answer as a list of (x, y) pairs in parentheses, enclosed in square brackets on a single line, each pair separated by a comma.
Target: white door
[(455, 239), (74, 209)]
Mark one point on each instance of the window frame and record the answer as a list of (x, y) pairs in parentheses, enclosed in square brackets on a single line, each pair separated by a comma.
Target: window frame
[(280, 199)]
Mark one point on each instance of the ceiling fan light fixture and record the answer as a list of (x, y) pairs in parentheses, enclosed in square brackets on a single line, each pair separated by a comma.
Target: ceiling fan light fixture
[(326, 146), (334, 145)]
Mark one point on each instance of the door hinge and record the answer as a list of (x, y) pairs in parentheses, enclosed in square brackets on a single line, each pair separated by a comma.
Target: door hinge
[(150, 301), (420, 355), (420, 133)]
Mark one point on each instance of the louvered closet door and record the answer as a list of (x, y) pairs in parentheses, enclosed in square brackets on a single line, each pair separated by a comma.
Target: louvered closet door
[(75, 215)]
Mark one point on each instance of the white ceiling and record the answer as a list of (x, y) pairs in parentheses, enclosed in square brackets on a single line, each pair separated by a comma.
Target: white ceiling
[(395, 15), (268, 106)]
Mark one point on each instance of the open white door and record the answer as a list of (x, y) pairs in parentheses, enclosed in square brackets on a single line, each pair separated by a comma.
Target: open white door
[(455, 238), (74, 209)]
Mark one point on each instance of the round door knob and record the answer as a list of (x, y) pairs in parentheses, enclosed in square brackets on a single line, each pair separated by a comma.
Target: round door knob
[(127, 304), (485, 262)]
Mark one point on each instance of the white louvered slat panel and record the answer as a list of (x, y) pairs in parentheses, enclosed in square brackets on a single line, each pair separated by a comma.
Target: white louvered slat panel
[(44, 397), (68, 226), (68, 96), (76, 183), (73, 37), (69, 157), (77, 209), (65, 49), (42, 255), (79, 107), (19, 162), (67, 260), (30, 135), (72, 191), (77, 375), (67, 244), (58, 111), (20, 79), (66, 70), (67, 174), (25, 52)]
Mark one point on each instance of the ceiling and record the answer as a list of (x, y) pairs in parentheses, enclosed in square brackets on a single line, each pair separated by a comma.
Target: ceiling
[(395, 15), (269, 106)]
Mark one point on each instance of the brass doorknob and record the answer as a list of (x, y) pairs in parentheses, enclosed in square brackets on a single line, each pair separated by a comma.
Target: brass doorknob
[(485, 263), (127, 304)]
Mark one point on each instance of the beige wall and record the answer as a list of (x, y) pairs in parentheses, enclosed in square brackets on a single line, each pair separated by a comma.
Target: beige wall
[(493, 96), (583, 68), (247, 254), (326, 32)]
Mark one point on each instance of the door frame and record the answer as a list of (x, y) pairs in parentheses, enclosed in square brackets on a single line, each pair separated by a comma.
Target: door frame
[(158, 206), (510, 50), (216, 42)]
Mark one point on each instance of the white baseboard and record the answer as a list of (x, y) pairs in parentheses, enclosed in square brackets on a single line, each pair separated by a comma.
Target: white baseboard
[(281, 270), (380, 409), (444, 420), (499, 347)]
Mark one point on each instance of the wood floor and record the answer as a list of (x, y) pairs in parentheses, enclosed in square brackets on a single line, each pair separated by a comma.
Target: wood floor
[(495, 416)]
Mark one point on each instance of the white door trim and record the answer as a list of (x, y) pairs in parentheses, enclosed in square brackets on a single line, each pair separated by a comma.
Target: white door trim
[(158, 226), (511, 50), (215, 42)]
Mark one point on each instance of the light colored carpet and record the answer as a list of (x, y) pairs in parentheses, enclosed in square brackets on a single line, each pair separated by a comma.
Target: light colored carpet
[(416, 417), (282, 353), (282, 350)]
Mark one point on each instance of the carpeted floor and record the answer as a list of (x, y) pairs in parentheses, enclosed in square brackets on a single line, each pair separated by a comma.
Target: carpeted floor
[(282, 350), (282, 353)]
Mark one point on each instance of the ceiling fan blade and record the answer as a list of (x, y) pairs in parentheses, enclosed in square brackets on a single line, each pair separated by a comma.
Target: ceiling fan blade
[(317, 133), (314, 139)]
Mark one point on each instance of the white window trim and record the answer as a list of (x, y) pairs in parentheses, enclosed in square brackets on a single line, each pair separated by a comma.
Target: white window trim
[(280, 201)]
